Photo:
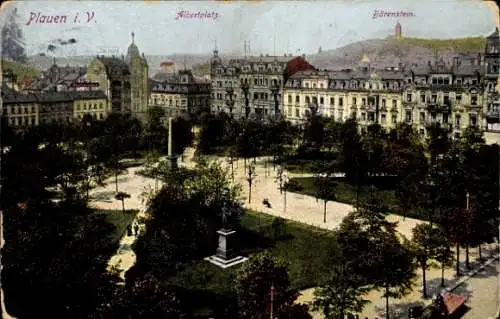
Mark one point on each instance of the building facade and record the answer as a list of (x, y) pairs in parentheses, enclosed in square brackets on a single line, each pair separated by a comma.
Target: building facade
[(366, 95), (451, 95), (252, 86), (24, 110), (180, 93), (124, 81), (492, 81)]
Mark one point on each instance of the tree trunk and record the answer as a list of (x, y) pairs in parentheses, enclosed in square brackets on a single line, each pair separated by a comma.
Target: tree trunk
[(480, 253), (245, 163), (265, 166), (116, 180), (249, 192), (424, 283), (285, 200), (123, 205), (442, 274), (386, 301), (458, 259), (467, 261), (324, 212), (232, 170)]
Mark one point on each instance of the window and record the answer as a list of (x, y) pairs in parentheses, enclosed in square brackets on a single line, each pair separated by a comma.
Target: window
[(383, 102), (382, 118), (394, 103), (422, 117), (354, 101), (314, 85), (445, 118), (321, 85), (332, 101), (458, 97), (371, 116), (289, 98), (255, 96), (341, 115), (394, 118), (473, 120), (297, 112), (255, 82), (321, 100), (363, 101), (297, 99), (422, 97), (363, 116), (341, 101), (457, 120), (408, 118), (308, 100), (408, 97), (219, 84), (307, 85), (434, 98), (473, 99)]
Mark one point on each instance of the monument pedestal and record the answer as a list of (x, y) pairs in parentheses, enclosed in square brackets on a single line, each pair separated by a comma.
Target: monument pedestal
[(172, 162), (225, 256)]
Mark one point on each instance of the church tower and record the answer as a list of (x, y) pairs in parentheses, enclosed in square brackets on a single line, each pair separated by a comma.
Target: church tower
[(138, 67), (397, 31)]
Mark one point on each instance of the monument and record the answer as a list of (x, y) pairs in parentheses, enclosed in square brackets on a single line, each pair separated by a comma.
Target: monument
[(225, 255), (172, 158)]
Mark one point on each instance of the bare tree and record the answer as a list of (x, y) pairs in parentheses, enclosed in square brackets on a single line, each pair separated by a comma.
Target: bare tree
[(251, 175)]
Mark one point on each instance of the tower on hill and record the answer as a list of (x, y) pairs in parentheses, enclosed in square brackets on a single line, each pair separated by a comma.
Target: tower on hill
[(397, 31)]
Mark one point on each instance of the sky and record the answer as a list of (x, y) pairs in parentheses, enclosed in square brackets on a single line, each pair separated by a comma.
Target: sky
[(272, 27)]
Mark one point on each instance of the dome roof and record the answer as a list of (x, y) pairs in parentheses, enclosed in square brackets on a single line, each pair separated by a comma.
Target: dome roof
[(133, 50)]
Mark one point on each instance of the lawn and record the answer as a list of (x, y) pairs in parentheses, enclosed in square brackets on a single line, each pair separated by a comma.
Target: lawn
[(303, 247), (119, 220), (346, 193)]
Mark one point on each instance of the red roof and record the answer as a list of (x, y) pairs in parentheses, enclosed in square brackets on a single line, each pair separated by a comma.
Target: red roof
[(452, 301), (297, 64)]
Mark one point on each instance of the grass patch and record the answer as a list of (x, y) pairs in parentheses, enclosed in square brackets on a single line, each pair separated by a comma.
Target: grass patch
[(119, 220), (304, 247)]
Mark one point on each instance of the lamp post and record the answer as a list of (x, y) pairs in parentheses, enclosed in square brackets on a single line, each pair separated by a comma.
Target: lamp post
[(285, 183), (245, 87)]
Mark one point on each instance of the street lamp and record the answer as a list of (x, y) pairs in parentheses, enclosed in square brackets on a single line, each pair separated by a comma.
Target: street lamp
[(286, 179), (245, 87)]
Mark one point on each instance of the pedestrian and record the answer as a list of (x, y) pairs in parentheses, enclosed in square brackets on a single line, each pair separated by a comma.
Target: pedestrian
[(136, 229)]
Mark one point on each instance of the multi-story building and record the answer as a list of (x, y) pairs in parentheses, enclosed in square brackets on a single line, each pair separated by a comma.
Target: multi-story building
[(93, 103), (124, 81), (22, 110), (56, 79), (180, 93), (492, 81), (447, 94), (366, 95), (252, 86)]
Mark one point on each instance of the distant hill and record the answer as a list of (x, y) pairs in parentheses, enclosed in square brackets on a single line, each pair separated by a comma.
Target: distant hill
[(391, 51), (20, 70), (381, 52)]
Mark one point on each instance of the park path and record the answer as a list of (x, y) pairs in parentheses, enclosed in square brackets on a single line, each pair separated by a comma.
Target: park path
[(299, 208), (481, 287)]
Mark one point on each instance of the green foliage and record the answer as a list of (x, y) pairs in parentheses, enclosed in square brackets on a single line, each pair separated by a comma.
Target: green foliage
[(21, 71), (341, 295), (258, 278)]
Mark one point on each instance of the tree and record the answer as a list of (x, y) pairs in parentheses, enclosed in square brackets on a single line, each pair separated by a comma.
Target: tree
[(12, 39), (341, 295), (290, 185), (353, 155), (428, 243), (251, 175), (254, 281), (326, 191), (121, 196), (443, 255)]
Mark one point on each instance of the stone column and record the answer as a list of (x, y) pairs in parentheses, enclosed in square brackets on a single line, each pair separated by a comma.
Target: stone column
[(172, 159)]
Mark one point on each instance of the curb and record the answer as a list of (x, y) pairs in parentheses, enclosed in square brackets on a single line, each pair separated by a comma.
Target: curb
[(471, 273)]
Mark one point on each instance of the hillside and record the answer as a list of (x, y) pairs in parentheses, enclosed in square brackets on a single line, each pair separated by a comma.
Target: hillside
[(391, 51), (381, 52), (20, 70)]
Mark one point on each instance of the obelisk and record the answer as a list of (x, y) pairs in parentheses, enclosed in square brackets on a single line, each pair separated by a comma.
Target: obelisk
[(172, 159)]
